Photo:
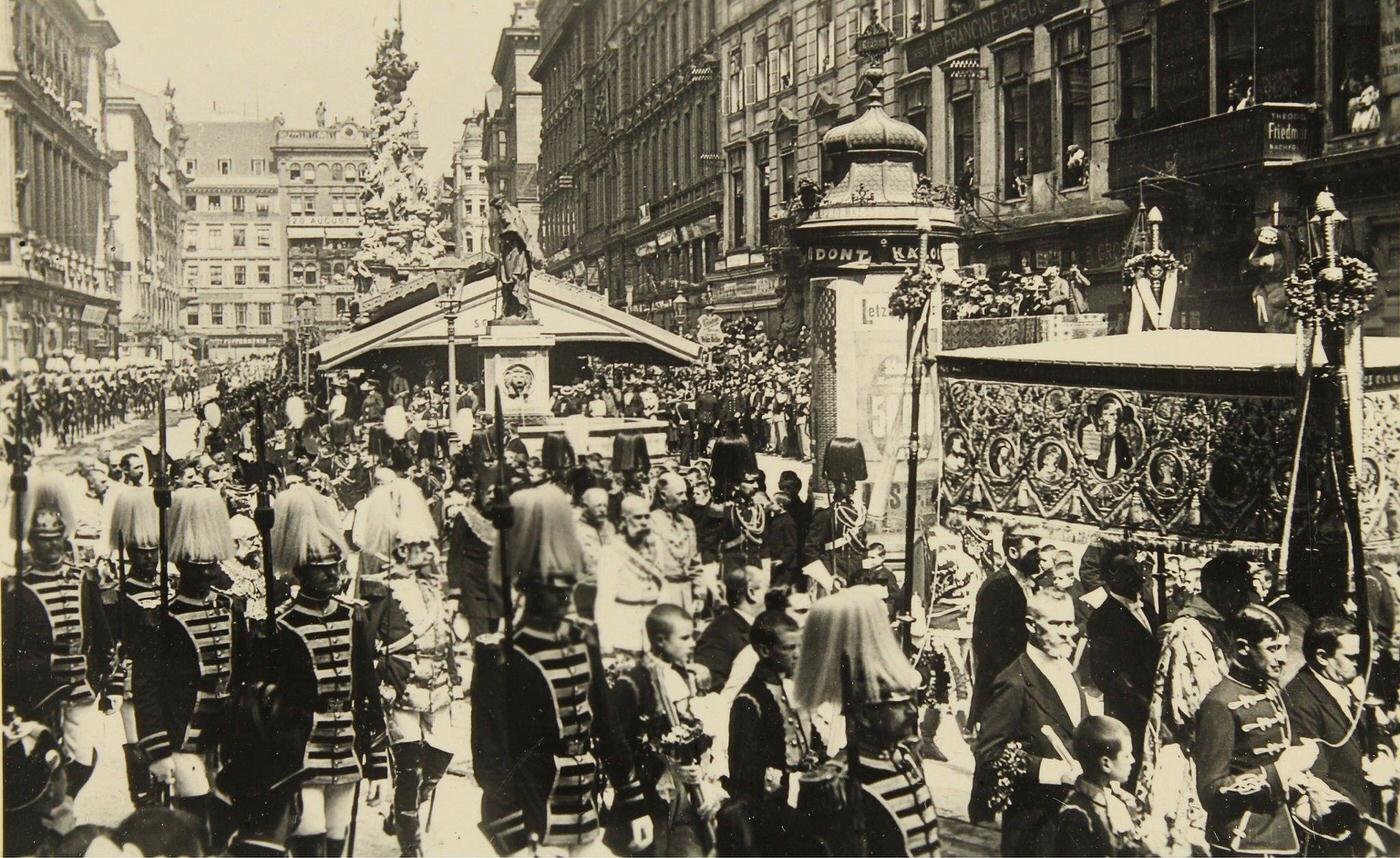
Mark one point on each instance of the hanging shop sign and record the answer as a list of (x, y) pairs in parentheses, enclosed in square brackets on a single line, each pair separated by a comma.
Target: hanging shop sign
[(979, 28)]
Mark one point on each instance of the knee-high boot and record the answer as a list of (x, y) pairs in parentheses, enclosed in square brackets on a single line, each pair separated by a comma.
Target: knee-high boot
[(334, 848), (139, 782), (928, 733), (408, 761), (435, 763), (79, 774)]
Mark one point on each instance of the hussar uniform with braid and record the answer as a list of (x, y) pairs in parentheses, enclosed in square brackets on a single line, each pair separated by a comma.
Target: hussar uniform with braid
[(57, 646)]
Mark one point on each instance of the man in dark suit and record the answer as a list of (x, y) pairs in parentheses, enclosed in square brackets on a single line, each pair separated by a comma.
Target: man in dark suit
[(1036, 697), (1123, 647), (1321, 702), (999, 618)]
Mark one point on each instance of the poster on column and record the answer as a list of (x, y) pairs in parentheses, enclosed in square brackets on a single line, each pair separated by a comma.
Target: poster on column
[(873, 403)]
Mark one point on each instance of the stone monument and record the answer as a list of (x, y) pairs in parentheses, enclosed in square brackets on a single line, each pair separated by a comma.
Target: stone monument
[(515, 347)]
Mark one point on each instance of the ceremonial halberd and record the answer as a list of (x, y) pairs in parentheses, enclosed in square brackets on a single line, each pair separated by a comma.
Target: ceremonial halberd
[(1180, 438)]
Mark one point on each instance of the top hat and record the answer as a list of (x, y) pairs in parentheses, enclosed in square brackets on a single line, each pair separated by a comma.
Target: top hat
[(844, 461)]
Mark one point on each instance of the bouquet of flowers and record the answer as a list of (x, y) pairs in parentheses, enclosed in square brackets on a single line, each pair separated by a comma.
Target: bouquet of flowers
[(1321, 293), (684, 744), (1010, 766)]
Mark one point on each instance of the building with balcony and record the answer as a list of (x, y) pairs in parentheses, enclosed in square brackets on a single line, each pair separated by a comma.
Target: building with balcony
[(57, 291), (147, 203), (471, 194), (321, 173), (1227, 114), (511, 144), (630, 180), (234, 240)]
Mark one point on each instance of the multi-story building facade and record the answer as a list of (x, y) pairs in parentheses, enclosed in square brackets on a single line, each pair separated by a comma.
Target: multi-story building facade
[(321, 172), (630, 171), (57, 293), (471, 194), (234, 239), (147, 203), (1227, 114), (512, 131)]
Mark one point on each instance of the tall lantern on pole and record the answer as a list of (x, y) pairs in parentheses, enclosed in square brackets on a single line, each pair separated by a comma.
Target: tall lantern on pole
[(449, 301)]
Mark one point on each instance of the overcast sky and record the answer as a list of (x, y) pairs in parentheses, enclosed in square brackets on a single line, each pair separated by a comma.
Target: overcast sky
[(262, 57)]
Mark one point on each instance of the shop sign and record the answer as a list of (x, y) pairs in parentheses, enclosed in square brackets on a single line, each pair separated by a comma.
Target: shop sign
[(759, 287), (646, 249), (94, 315), (980, 28), (885, 251), (665, 238), (323, 220), (709, 330)]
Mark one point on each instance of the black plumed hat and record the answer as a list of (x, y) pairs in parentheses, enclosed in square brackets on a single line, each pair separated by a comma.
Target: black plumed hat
[(342, 431), (844, 461), (730, 460), (630, 452), (557, 453)]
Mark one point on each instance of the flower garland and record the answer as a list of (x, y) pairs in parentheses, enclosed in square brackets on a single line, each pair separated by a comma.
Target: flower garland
[(1330, 295), (1155, 265), (911, 294)]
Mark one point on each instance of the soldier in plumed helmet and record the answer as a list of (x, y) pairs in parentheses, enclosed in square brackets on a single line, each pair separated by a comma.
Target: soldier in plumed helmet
[(135, 532), (322, 660), (737, 480), (413, 635), (57, 644), (850, 657), (183, 677), (543, 725), (836, 540)]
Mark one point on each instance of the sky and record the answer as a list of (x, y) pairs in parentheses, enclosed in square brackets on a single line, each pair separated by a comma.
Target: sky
[(262, 57)]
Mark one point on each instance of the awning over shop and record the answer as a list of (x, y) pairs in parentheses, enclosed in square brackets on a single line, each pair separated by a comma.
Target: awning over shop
[(581, 322)]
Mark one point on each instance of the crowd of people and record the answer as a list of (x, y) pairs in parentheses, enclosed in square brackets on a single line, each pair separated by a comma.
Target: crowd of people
[(664, 656), (67, 403)]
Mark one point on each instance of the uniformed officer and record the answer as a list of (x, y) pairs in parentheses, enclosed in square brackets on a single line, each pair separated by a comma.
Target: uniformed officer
[(135, 532), (543, 724), (57, 644), (836, 539), (417, 671), (322, 660), (851, 628), (183, 677), (1246, 763)]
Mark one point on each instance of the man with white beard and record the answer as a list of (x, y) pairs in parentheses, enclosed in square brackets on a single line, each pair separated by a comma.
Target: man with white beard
[(629, 583), (677, 551)]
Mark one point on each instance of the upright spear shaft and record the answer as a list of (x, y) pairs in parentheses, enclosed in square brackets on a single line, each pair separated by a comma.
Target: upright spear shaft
[(263, 515), (162, 497)]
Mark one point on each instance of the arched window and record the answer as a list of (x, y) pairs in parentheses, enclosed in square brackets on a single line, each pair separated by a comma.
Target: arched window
[(308, 173), (323, 173), (311, 274), (294, 171), (468, 245), (338, 270), (337, 172), (351, 174), (340, 306)]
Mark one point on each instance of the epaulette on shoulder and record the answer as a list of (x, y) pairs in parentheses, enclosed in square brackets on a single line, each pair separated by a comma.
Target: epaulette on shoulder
[(351, 602), (490, 640)]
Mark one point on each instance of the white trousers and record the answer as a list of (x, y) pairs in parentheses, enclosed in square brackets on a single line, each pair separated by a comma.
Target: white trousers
[(325, 809), (429, 727), (80, 731)]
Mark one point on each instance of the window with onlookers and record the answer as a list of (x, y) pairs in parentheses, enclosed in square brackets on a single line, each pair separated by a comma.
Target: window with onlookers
[(1071, 43), (191, 274), (826, 35), (240, 236), (240, 275), (293, 171), (216, 275), (786, 72), (963, 168), (264, 275), (1013, 68), (736, 78), (225, 166), (215, 202), (263, 205), (1234, 58), (763, 176), (1357, 104)]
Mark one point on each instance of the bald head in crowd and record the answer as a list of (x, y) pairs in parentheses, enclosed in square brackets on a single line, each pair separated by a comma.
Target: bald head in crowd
[(595, 505), (671, 490)]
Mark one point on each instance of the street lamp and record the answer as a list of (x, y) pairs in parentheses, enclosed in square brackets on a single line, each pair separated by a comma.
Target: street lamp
[(449, 301), (679, 306)]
